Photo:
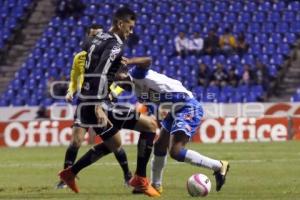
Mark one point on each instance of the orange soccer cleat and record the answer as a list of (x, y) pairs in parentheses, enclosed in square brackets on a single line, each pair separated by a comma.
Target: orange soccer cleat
[(141, 185), (68, 177)]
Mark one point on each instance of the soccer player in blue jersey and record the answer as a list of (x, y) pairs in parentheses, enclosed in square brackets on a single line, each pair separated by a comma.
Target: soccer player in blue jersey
[(178, 126)]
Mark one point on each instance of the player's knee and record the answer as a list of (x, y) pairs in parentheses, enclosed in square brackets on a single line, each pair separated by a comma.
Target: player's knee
[(76, 142), (177, 153), (77, 136), (77, 139), (160, 146), (150, 125), (173, 153)]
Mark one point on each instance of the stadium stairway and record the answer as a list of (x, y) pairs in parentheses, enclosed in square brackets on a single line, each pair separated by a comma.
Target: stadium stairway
[(32, 31), (290, 81)]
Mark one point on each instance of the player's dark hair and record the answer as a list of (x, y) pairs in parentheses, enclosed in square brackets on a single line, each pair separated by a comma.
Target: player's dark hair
[(94, 26), (123, 13)]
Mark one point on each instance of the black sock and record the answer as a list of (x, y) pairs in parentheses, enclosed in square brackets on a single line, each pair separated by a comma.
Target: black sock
[(70, 156), (145, 145), (94, 154), (122, 159)]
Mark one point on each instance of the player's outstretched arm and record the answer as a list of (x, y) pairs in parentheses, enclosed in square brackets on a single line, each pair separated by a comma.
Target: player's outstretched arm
[(142, 62)]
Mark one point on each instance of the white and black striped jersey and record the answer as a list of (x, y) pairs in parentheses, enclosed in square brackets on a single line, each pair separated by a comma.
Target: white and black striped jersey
[(103, 61)]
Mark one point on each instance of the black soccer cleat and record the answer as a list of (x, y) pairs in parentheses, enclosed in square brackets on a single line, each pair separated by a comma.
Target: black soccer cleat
[(221, 175)]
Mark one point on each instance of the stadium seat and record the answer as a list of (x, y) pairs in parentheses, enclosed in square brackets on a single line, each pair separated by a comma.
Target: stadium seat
[(250, 98), (228, 91), (243, 90), (257, 90), (236, 98)]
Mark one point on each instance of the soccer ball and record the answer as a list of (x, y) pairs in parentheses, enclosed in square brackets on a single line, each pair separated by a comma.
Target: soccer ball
[(198, 185)]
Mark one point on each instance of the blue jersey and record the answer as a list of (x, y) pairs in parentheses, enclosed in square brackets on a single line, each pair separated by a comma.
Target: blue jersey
[(151, 86)]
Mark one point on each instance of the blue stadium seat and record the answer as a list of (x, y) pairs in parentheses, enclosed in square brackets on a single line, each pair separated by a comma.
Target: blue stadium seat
[(295, 27), (255, 49), (295, 98), (254, 28), (223, 98), (191, 8), (259, 17), (257, 90), (243, 90), (230, 17), (47, 102), (202, 17), (32, 102), (91, 10), (250, 98), (265, 6), (282, 27), (244, 17), (211, 94), (228, 91), (289, 38), (235, 6), (269, 49), (198, 92), (272, 69), (279, 6), (236, 98), (55, 22), (4, 102), (283, 49), (273, 16), (268, 27)]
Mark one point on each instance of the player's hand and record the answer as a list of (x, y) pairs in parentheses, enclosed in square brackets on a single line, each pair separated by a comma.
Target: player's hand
[(125, 61), (101, 116), (69, 97)]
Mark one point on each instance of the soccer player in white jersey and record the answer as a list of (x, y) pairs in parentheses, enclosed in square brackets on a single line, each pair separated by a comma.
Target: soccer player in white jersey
[(178, 126)]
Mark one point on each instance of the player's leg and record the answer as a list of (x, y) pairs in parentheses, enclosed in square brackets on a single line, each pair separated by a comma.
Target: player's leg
[(121, 157), (78, 134), (112, 141), (110, 144), (159, 159), (184, 127), (72, 150), (146, 125), (182, 154), (98, 151)]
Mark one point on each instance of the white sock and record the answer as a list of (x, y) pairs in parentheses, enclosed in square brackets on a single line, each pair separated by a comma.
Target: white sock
[(157, 165), (197, 159)]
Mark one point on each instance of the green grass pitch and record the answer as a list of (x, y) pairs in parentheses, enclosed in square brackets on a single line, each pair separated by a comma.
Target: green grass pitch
[(258, 171)]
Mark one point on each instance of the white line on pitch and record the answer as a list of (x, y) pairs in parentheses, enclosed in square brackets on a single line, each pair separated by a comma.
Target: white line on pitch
[(50, 165)]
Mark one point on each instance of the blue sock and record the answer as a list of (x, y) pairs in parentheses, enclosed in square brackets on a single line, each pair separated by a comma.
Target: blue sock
[(181, 155)]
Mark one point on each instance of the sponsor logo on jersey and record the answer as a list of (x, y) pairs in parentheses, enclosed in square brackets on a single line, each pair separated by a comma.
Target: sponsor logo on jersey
[(114, 52), (104, 36)]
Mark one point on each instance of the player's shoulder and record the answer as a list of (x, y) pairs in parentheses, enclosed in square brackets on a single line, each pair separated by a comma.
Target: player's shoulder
[(138, 72), (81, 55), (105, 36)]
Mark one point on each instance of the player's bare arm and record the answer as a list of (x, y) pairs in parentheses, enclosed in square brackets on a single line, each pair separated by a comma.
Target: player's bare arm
[(143, 62)]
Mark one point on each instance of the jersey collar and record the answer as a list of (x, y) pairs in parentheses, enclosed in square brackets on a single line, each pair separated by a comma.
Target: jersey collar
[(118, 38)]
